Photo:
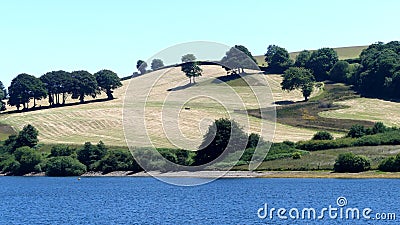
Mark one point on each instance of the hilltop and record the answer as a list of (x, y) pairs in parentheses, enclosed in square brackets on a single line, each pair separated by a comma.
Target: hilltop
[(343, 53)]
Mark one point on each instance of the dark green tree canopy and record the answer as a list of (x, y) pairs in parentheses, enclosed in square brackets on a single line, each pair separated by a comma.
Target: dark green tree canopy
[(107, 81), (379, 74), (340, 71), (278, 59), (28, 136), (298, 78), (302, 58), (25, 87), (141, 66), (321, 62), (191, 70), (83, 84), (188, 58), (239, 58), (57, 83), (157, 64), (224, 136)]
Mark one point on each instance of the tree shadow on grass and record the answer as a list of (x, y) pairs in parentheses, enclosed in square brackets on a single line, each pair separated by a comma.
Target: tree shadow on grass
[(182, 87), (58, 106)]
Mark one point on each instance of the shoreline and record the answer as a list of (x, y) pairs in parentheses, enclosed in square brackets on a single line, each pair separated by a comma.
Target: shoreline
[(242, 174)]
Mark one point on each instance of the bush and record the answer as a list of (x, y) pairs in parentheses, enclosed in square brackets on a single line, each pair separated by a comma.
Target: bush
[(390, 164), (356, 131), (296, 155), (349, 162), (61, 150), (119, 160), (9, 165), (253, 140), (28, 159), (64, 166), (322, 135), (90, 154)]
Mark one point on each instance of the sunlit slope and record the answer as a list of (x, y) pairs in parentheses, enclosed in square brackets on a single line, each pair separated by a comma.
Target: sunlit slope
[(103, 120)]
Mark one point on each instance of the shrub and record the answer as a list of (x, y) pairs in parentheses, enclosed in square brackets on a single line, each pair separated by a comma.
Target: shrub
[(390, 164), (64, 166), (322, 135), (89, 154), (61, 150), (119, 160), (253, 140), (28, 159), (356, 131), (296, 155), (349, 162)]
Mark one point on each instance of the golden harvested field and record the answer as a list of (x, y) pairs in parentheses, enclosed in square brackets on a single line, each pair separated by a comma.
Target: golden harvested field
[(368, 109), (103, 120)]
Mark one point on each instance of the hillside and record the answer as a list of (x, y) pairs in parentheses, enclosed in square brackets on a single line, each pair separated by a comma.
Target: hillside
[(96, 121), (343, 53)]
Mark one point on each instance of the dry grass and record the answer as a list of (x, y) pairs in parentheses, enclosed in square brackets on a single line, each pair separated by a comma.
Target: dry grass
[(375, 110), (103, 120)]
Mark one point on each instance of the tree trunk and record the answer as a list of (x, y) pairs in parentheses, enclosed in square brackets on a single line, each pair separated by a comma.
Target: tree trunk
[(109, 94), (82, 98), (64, 98)]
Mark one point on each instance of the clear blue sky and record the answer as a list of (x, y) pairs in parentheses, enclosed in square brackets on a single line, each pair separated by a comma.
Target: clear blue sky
[(44, 35)]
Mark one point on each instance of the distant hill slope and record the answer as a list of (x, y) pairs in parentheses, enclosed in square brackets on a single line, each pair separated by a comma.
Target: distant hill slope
[(95, 121), (343, 53)]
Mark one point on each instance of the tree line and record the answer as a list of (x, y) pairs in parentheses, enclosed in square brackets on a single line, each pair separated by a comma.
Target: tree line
[(57, 86), (376, 73)]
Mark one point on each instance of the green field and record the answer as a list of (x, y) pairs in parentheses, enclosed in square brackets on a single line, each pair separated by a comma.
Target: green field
[(343, 53), (325, 159)]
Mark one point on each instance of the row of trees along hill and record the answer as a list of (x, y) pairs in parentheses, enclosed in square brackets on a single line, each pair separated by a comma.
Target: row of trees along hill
[(310, 66), (156, 64), (58, 85), (376, 73)]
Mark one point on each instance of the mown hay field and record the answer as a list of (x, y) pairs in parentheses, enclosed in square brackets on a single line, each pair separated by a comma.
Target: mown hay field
[(95, 121)]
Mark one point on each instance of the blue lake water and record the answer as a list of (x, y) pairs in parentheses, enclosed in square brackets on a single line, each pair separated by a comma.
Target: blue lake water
[(119, 200)]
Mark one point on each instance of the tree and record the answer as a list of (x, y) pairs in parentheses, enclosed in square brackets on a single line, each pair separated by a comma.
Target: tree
[(61, 150), (89, 154), (141, 66), (28, 136), (321, 62), (188, 58), (28, 159), (340, 71), (157, 64), (239, 58), (302, 58), (224, 136), (107, 81), (191, 69), (356, 131), (390, 164), (64, 166), (119, 160), (349, 162), (322, 135), (83, 84), (298, 78), (58, 84), (278, 59), (379, 74), (25, 87), (3, 95)]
